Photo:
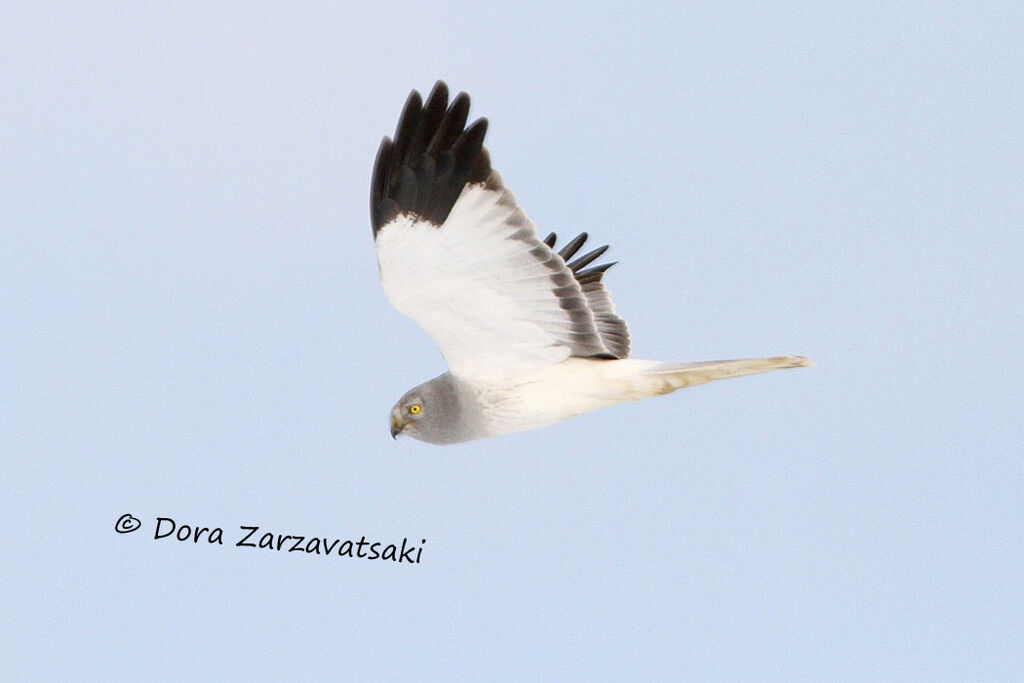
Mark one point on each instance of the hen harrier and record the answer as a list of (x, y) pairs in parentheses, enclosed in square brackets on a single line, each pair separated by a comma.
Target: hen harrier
[(529, 333)]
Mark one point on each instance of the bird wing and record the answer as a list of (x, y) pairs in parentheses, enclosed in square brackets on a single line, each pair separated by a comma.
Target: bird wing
[(459, 256)]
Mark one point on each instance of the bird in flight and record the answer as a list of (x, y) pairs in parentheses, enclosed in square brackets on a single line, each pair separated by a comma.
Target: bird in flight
[(528, 330)]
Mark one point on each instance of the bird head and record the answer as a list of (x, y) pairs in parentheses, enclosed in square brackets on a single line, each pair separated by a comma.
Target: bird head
[(431, 412), (409, 410)]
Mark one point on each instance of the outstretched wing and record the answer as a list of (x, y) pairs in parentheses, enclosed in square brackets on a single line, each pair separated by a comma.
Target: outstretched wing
[(459, 257)]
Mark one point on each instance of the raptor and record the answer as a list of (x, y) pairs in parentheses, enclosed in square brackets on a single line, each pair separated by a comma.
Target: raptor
[(527, 328)]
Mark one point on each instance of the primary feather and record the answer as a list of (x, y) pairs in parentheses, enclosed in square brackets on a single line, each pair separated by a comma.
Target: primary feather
[(459, 256)]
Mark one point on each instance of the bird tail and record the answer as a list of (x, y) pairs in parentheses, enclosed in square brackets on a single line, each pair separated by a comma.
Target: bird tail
[(672, 376)]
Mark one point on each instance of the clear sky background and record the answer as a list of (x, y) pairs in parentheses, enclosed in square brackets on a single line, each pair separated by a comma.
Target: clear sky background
[(191, 327)]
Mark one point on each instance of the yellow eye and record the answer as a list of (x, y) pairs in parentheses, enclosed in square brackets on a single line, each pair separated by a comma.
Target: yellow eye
[(415, 409)]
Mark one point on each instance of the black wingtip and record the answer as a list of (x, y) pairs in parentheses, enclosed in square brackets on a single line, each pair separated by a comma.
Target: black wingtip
[(379, 182), (440, 89), (593, 274), (570, 249), (434, 130), (413, 103), (587, 258), (474, 134)]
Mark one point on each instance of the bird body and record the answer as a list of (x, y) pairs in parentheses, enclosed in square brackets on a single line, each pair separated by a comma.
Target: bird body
[(529, 333), (545, 396)]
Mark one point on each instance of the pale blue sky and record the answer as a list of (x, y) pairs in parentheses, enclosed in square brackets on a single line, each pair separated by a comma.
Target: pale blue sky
[(191, 326)]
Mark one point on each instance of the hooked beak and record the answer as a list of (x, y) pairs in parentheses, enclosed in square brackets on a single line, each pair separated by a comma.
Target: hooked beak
[(396, 428)]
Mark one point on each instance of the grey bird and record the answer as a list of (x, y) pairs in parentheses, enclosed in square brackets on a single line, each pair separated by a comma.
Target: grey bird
[(529, 333)]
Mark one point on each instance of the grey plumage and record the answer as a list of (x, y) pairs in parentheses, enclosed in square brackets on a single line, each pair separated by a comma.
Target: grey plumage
[(612, 329), (449, 412)]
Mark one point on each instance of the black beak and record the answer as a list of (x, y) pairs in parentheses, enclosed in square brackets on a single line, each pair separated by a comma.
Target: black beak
[(395, 431)]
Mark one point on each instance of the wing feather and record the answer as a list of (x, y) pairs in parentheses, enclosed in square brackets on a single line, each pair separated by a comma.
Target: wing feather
[(460, 257)]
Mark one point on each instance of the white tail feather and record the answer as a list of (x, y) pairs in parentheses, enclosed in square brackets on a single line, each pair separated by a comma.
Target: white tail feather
[(675, 376)]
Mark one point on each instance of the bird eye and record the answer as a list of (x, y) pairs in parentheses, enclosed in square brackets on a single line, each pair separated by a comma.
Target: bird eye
[(415, 408)]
